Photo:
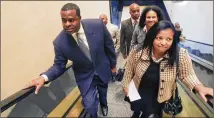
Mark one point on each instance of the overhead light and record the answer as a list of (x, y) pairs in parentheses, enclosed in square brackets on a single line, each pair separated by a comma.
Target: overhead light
[(183, 3), (177, 1), (180, 2)]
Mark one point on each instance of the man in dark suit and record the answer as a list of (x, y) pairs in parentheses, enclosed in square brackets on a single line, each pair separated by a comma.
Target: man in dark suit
[(88, 44), (127, 28)]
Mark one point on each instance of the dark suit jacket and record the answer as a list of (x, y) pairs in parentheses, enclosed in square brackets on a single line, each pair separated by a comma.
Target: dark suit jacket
[(138, 37), (126, 36), (101, 49)]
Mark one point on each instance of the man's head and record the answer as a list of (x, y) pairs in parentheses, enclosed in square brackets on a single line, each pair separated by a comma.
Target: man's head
[(177, 25), (104, 18), (70, 15), (134, 11)]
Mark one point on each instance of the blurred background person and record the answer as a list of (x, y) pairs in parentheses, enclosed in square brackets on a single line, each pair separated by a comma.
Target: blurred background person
[(179, 30), (127, 28), (115, 34), (113, 30), (149, 16)]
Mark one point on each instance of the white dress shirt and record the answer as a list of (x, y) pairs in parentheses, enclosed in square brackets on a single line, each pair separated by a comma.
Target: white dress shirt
[(133, 22), (81, 34)]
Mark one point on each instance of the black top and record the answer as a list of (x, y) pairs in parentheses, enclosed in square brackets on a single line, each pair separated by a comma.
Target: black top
[(148, 90)]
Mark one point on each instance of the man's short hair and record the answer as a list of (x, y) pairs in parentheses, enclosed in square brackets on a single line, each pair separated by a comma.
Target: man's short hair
[(71, 6)]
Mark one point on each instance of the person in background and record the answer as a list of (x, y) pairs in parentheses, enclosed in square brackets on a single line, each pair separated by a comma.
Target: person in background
[(153, 68), (113, 30), (88, 44), (115, 34), (127, 28), (179, 30), (150, 15)]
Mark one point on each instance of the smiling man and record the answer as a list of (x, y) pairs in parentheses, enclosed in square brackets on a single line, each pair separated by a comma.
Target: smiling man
[(88, 44)]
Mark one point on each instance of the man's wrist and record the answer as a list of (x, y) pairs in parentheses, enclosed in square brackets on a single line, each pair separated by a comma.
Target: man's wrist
[(45, 77)]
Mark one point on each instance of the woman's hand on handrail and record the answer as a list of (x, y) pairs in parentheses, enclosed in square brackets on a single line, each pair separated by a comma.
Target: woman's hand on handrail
[(38, 83), (204, 91)]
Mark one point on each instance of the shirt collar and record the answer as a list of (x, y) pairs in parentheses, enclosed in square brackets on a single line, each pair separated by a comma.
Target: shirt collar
[(145, 56), (81, 31), (144, 29), (134, 20)]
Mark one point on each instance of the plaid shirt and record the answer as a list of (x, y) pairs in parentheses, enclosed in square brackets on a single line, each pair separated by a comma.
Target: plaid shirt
[(137, 66)]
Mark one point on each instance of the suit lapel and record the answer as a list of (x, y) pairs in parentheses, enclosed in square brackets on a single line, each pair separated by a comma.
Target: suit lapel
[(130, 27), (90, 38), (76, 48)]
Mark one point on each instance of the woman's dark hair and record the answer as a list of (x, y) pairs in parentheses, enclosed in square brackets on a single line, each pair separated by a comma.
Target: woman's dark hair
[(154, 8), (151, 35)]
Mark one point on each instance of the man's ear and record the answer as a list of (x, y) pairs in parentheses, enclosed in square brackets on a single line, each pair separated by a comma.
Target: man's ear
[(80, 17)]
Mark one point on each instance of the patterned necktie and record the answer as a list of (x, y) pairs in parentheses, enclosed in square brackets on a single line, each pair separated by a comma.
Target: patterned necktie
[(135, 23), (83, 47)]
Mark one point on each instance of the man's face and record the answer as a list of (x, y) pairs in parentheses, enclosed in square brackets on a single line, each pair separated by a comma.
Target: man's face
[(104, 19), (70, 21), (177, 25), (134, 11)]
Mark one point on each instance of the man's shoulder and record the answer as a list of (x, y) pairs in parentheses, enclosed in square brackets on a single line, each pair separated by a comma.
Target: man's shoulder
[(92, 20), (125, 21), (92, 24), (62, 35), (113, 25)]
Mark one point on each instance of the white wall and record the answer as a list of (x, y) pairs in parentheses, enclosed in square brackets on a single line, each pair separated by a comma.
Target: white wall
[(27, 31), (195, 17)]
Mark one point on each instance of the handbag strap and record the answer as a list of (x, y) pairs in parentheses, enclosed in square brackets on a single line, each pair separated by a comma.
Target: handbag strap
[(175, 92)]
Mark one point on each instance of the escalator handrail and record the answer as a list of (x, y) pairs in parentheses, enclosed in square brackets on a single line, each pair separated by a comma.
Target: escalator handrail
[(199, 42), (193, 95), (202, 62), (209, 99), (21, 94), (15, 98)]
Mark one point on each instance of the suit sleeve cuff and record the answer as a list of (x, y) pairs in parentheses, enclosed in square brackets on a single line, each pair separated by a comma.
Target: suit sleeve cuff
[(45, 77)]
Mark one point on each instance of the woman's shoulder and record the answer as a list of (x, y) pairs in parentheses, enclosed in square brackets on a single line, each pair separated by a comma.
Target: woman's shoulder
[(139, 28), (136, 53), (182, 50), (183, 53)]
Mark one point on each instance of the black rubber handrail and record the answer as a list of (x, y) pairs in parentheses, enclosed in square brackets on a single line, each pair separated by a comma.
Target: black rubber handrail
[(199, 42), (18, 96), (202, 62), (15, 98), (194, 96)]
